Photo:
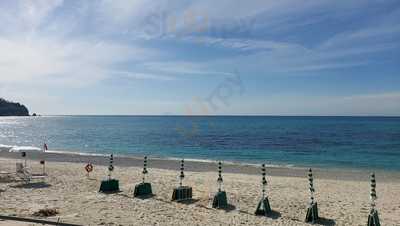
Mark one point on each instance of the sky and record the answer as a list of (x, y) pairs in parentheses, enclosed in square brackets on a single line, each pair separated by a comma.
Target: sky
[(205, 57)]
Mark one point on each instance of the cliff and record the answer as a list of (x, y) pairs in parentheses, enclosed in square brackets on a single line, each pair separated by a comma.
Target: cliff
[(8, 108)]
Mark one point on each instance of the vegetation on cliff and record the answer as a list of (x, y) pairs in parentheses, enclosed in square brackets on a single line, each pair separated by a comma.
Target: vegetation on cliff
[(8, 108)]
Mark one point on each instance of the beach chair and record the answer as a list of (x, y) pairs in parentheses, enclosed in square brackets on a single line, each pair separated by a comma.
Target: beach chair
[(25, 174)]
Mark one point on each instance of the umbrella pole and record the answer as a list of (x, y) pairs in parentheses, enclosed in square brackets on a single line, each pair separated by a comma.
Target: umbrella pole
[(312, 211), (263, 207), (373, 217)]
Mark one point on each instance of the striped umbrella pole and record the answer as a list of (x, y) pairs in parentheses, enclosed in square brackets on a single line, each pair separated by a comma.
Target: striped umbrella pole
[(182, 175), (220, 180), (23, 154), (264, 181), (111, 166), (373, 196), (311, 182), (144, 168)]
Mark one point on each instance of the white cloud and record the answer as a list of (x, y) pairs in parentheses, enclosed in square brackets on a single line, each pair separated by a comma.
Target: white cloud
[(74, 44), (25, 16), (142, 76), (63, 61), (241, 44), (183, 68), (362, 36), (371, 104), (33, 13), (39, 55)]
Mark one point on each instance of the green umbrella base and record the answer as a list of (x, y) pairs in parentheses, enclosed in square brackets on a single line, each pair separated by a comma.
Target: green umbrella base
[(182, 193), (373, 218), (220, 201), (312, 213), (109, 186), (143, 189), (263, 207)]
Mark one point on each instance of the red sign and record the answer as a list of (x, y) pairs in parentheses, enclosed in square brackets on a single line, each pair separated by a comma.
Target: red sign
[(89, 167)]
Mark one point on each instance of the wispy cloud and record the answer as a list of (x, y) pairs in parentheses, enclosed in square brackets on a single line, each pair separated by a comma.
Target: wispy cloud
[(58, 56), (367, 104), (64, 61), (183, 68), (142, 76), (25, 16), (69, 44)]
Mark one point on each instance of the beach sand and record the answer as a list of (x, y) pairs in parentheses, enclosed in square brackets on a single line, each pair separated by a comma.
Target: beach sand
[(342, 196)]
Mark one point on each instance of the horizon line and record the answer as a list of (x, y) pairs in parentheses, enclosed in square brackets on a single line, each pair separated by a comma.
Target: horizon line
[(221, 115)]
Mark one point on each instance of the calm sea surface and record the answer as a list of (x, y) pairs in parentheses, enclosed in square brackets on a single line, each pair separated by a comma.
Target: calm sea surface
[(339, 142)]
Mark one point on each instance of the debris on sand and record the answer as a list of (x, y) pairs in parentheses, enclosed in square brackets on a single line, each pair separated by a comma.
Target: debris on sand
[(48, 212)]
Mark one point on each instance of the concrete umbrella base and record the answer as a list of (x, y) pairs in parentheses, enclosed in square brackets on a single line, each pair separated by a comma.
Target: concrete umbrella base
[(220, 201), (373, 218), (263, 207), (109, 186), (312, 213), (182, 193), (143, 189)]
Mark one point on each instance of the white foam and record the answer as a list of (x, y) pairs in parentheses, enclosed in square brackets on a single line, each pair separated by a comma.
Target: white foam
[(11, 148), (76, 153), (270, 165), (24, 149), (35, 149), (5, 147)]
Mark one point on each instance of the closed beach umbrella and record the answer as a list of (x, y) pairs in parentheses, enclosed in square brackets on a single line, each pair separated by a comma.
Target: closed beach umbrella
[(143, 189), (373, 217), (263, 207), (312, 211), (110, 185)]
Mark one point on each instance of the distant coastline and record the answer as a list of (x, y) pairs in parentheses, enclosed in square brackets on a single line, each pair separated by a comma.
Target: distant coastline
[(8, 108), (222, 115)]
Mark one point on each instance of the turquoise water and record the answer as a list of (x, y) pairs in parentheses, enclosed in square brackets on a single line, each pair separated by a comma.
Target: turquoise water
[(339, 142)]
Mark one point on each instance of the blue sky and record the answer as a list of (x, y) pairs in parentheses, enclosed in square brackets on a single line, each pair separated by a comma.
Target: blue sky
[(202, 57)]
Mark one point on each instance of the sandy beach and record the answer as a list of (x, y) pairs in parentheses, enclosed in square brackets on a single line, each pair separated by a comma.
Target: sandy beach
[(199, 113), (342, 195)]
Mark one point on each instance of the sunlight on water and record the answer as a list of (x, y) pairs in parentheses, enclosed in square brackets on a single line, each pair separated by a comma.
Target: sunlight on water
[(299, 141)]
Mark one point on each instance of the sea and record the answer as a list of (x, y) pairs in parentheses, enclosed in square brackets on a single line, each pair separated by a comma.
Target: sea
[(330, 142)]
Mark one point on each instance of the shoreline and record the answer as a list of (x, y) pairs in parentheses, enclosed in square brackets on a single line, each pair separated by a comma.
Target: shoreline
[(194, 165)]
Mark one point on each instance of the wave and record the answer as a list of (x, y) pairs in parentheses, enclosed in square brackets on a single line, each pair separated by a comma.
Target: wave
[(4, 147), (77, 153), (229, 162), (11, 148)]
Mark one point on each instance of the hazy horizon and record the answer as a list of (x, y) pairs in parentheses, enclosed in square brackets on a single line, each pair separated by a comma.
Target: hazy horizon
[(215, 115)]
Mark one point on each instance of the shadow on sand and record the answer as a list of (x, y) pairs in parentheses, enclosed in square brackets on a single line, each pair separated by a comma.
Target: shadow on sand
[(229, 208), (144, 197), (189, 201), (111, 192), (36, 185), (325, 221), (274, 215)]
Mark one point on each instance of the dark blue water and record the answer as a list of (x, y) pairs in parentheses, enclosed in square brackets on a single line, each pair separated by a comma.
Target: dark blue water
[(340, 142)]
